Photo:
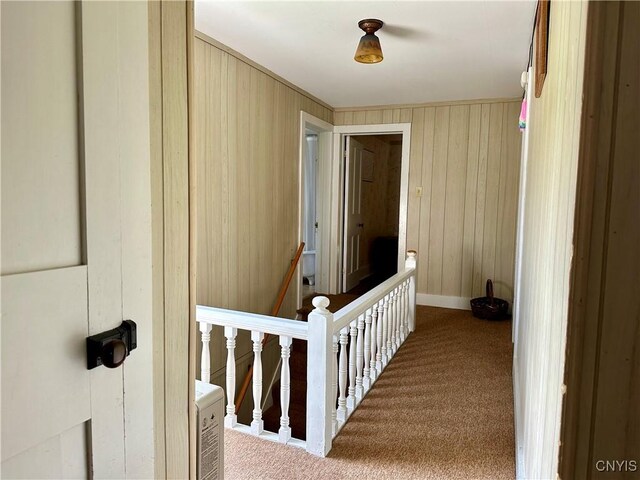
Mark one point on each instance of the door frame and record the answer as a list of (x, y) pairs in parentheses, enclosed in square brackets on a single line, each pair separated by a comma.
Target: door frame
[(171, 38), (323, 178), (338, 190)]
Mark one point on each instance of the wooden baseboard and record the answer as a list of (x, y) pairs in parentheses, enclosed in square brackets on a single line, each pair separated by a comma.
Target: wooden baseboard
[(443, 301)]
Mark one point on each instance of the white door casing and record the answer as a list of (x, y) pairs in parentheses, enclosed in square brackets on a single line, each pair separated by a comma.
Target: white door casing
[(353, 220), (337, 200), (324, 165), (76, 238)]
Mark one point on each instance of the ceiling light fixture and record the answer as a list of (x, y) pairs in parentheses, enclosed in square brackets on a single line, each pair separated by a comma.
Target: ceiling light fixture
[(369, 49)]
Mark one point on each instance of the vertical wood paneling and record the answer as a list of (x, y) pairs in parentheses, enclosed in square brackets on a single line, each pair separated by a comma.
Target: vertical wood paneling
[(465, 157), (471, 189), (415, 179), (425, 210), (455, 200), (491, 204), (247, 156), (438, 200), (547, 244)]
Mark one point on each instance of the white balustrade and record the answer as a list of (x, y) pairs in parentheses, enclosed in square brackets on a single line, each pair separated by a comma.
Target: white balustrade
[(284, 433), (363, 352), (257, 424), (353, 367), (385, 332), (391, 346), (321, 397), (367, 333), (396, 324), (230, 418), (334, 384), (379, 337), (205, 359), (368, 355), (342, 378)]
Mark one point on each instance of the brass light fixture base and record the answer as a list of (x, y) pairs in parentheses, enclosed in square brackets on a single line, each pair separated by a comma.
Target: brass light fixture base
[(370, 25)]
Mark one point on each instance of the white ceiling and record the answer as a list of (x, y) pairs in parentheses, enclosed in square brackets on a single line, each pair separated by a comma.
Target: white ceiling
[(433, 51)]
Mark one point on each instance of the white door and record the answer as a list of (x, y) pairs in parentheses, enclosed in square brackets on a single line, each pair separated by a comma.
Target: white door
[(76, 239), (353, 219)]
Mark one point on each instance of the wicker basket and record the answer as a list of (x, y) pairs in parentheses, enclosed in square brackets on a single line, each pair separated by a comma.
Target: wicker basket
[(489, 307)]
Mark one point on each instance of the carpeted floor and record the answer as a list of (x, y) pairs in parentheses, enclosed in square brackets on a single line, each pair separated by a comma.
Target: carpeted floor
[(442, 409)]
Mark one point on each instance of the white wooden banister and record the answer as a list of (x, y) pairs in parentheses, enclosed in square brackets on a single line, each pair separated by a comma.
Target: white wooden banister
[(350, 312), (284, 433), (346, 354), (205, 359), (252, 322), (385, 331), (257, 425), (342, 377), (412, 263), (368, 354), (379, 338), (353, 365), (361, 347), (320, 390), (230, 418)]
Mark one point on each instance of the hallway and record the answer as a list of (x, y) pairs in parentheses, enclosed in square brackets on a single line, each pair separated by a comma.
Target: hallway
[(443, 409)]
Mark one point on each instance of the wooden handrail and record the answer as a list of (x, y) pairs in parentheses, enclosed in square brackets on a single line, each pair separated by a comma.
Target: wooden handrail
[(274, 312)]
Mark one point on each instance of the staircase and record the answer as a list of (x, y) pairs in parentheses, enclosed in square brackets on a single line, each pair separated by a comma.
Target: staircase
[(328, 363)]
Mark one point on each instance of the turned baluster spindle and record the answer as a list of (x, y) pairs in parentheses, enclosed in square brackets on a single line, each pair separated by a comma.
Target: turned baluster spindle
[(391, 345), (334, 376), (360, 358), (205, 358), (353, 367), (257, 425), (365, 381), (284, 434), (405, 295), (230, 418), (411, 262), (379, 338), (396, 324), (342, 375), (385, 332), (398, 315)]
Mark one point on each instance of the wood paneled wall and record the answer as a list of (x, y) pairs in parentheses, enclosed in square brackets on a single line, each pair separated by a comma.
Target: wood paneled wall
[(247, 146), (247, 156), (601, 418), (466, 158), (550, 193)]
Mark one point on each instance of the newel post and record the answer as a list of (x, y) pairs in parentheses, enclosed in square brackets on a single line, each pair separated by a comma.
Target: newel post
[(320, 378), (412, 262)]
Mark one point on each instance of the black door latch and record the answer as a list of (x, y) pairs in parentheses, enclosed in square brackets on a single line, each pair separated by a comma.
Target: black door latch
[(112, 347)]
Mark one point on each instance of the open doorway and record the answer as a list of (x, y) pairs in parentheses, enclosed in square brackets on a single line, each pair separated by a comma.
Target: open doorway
[(310, 220), (316, 138), (372, 174)]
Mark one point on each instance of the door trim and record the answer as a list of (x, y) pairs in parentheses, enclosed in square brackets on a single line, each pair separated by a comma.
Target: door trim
[(337, 192), (171, 34), (323, 197)]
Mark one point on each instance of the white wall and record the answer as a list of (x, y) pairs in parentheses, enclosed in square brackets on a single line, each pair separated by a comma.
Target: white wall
[(547, 245)]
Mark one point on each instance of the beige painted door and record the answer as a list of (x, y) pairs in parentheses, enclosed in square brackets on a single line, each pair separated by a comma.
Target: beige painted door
[(353, 219), (75, 238)]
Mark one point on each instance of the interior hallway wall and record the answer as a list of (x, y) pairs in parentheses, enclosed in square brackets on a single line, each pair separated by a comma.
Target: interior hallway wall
[(247, 136), (550, 193), (466, 157)]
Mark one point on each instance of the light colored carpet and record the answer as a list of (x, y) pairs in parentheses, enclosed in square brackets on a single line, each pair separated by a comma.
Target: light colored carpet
[(442, 409)]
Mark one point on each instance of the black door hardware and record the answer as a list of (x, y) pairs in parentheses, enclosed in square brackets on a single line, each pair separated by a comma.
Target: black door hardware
[(112, 347)]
